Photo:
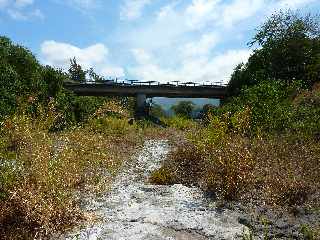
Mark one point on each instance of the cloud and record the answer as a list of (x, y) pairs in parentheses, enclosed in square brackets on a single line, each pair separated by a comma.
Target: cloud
[(111, 71), (199, 69), (23, 3), (132, 9), (239, 10), (176, 24), (200, 12), (202, 47), (21, 9), (82, 5), (193, 41), (19, 15), (58, 54), (293, 4)]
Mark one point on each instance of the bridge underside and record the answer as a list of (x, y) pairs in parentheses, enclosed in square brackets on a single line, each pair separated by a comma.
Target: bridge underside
[(146, 91), (149, 91)]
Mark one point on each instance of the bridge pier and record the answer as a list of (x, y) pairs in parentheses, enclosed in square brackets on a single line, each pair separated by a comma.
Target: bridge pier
[(141, 106)]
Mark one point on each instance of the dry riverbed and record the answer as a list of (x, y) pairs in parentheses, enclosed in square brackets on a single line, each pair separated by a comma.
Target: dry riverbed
[(134, 209)]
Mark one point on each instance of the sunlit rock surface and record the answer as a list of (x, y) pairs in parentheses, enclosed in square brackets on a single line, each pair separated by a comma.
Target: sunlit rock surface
[(134, 209)]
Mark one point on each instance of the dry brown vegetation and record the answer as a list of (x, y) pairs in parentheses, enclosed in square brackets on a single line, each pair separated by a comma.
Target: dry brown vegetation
[(40, 171), (279, 170)]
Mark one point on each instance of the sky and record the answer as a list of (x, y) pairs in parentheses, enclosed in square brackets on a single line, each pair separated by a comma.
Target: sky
[(150, 40)]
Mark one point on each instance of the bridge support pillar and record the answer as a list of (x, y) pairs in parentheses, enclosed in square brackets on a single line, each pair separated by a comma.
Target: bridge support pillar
[(141, 106)]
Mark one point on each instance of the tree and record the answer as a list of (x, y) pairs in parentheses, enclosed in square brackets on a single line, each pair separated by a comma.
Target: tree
[(75, 71), (157, 111), (207, 109), (95, 77), (20, 76), (288, 50), (183, 108)]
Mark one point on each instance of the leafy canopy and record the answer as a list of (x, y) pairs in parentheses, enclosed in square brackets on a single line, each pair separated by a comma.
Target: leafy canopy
[(183, 109), (288, 50)]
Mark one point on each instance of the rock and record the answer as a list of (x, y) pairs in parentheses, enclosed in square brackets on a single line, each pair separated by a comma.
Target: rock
[(245, 220)]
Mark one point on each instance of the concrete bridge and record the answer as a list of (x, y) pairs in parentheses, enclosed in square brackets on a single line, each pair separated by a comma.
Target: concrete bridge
[(144, 90)]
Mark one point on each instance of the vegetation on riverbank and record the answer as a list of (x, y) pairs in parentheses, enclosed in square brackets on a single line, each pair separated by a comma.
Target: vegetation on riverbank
[(54, 144), (41, 170), (262, 146)]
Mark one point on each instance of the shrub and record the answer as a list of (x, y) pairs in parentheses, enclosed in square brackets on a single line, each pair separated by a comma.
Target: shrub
[(287, 169), (225, 158), (229, 167), (270, 105), (162, 176), (180, 123), (40, 171)]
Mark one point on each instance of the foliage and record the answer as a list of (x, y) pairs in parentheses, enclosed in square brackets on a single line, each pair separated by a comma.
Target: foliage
[(20, 75), (309, 233), (224, 159), (207, 110), (75, 71), (180, 123), (183, 109), (289, 50), (270, 105), (157, 111), (25, 84), (162, 176), (278, 108), (306, 106), (40, 171)]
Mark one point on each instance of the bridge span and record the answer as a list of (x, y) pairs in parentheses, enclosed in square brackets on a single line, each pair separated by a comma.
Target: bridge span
[(144, 91)]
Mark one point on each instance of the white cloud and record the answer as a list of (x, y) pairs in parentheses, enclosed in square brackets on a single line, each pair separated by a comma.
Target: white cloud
[(200, 69), (141, 56), (239, 10), (202, 47), (132, 9), (58, 54), (183, 39), (293, 4), (200, 12), (112, 71), (17, 15), (21, 9), (175, 23)]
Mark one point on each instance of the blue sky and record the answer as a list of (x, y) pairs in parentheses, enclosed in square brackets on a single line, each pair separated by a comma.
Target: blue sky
[(161, 40)]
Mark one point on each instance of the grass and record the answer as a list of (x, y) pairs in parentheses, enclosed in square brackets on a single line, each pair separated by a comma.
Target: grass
[(179, 123), (277, 169), (40, 171)]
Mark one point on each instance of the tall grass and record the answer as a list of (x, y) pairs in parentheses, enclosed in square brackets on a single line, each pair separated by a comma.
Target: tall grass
[(225, 159), (40, 170)]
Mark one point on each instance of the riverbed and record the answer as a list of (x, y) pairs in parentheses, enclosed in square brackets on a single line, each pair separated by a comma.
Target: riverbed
[(135, 209)]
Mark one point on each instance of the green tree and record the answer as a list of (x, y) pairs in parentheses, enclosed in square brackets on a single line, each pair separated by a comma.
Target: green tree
[(183, 108), (288, 50), (76, 72), (20, 76), (157, 111), (206, 110)]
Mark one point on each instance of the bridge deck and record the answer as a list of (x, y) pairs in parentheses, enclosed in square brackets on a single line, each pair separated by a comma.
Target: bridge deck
[(128, 90)]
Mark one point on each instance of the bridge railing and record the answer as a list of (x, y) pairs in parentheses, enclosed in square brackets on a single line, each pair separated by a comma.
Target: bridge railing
[(126, 82)]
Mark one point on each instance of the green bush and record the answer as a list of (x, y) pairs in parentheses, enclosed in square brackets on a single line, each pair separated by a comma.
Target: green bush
[(270, 104), (178, 122)]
